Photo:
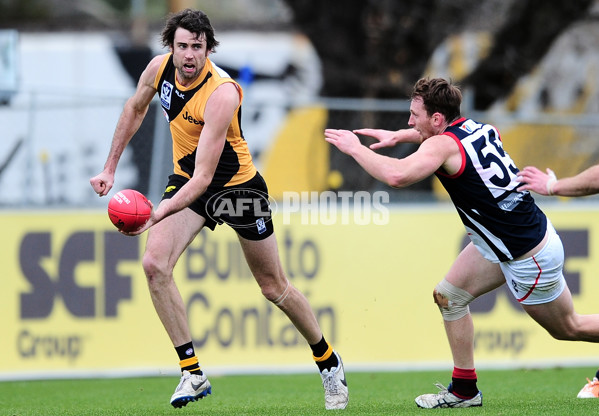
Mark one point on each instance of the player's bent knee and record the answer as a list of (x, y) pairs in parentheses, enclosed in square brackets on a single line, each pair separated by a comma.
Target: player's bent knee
[(452, 301), (155, 270), (269, 292), (150, 264), (275, 294)]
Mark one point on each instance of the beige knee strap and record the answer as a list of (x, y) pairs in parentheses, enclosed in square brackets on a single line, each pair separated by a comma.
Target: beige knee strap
[(452, 301), (278, 301)]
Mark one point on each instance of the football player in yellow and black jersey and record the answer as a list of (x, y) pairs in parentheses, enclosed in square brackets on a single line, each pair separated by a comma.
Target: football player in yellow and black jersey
[(213, 169)]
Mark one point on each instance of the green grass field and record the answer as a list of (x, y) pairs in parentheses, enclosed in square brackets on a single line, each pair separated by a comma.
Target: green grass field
[(545, 392)]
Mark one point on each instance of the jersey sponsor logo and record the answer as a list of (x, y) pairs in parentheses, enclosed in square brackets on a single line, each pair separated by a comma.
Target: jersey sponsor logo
[(190, 119), (166, 92), (512, 201), (180, 94)]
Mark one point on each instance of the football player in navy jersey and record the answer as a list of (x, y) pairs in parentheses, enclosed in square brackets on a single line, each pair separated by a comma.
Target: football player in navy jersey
[(511, 238)]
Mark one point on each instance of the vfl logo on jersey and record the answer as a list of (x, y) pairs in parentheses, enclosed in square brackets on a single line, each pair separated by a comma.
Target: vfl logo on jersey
[(166, 92)]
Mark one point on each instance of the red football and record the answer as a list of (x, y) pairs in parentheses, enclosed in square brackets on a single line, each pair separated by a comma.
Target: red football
[(129, 210)]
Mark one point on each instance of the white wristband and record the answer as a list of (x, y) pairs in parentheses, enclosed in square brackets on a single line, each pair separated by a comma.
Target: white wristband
[(550, 182)]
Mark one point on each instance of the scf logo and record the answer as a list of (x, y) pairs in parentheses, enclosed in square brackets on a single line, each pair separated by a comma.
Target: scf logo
[(47, 284), (241, 207)]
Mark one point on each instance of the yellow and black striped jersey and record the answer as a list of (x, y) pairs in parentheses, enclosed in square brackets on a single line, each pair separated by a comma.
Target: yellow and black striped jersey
[(184, 110)]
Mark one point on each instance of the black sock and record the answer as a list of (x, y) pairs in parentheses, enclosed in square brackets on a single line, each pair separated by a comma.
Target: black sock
[(464, 388), (187, 358), (463, 383), (597, 374), (323, 355)]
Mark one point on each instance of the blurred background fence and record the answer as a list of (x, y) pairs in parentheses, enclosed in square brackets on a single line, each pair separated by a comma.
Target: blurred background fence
[(60, 139), (66, 70)]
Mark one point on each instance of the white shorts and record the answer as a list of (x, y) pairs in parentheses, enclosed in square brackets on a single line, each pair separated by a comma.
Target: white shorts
[(538, 279)]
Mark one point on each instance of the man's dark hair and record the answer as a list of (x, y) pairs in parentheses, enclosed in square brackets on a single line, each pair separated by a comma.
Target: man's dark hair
[(195, 21), (439, 96)]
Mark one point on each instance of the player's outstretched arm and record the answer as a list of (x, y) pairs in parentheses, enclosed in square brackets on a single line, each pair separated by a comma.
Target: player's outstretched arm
[(537, 181), (583, 184), (398, 173), (134, 112), (388, 138)]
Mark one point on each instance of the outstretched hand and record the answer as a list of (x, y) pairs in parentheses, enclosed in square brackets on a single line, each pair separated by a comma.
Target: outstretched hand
[(385, 138), (344, 140), (536, 181)]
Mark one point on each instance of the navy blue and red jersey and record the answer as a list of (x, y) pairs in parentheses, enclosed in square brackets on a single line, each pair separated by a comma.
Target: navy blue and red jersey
[(501, 222)]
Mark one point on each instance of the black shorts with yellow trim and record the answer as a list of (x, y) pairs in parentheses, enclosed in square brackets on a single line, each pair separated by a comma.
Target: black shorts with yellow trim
[(244, 207)]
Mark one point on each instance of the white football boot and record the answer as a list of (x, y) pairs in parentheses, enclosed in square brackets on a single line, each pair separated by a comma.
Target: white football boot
[(445, 398), (336, 394), (191, 388)]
